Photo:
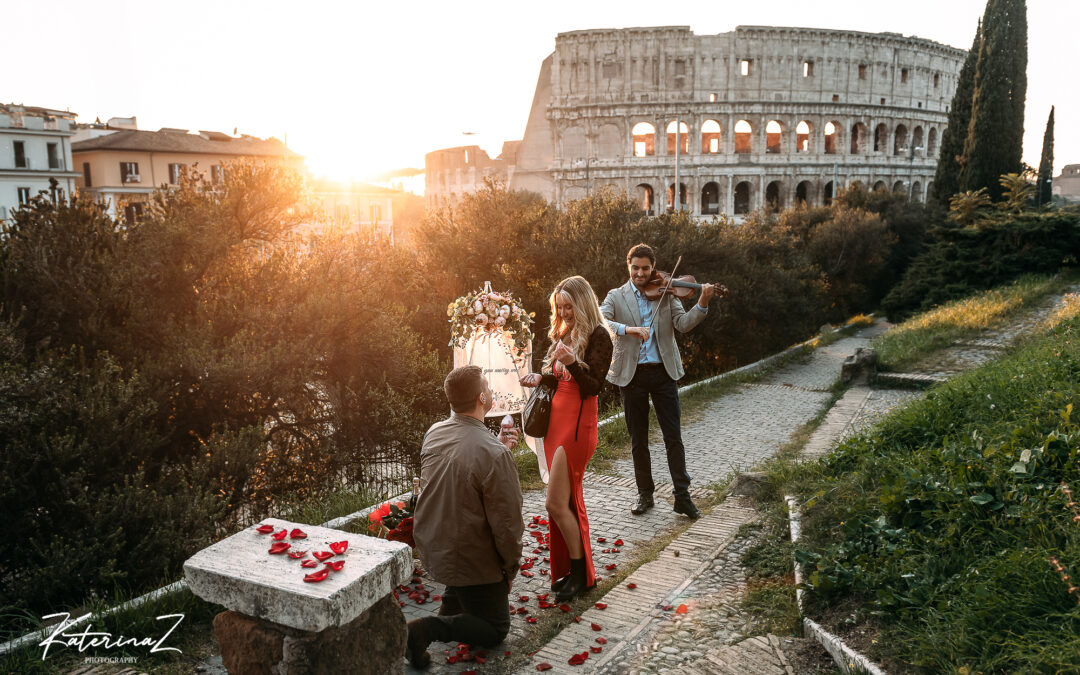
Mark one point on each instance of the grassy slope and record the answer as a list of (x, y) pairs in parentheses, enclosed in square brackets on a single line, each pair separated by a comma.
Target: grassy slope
[(941, 521)]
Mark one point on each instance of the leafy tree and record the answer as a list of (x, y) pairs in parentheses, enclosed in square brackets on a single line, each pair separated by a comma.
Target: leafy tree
[(1046, 163), (947, 175), (1017, 192), (994, 142), (968, 207)]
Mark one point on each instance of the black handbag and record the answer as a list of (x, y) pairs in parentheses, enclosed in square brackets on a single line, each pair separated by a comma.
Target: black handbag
[(537, 413)]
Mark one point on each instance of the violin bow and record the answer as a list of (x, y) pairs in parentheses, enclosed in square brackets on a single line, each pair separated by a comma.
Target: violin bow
[(668, 284)]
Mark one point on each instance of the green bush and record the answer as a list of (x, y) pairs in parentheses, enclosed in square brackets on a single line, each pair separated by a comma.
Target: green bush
[(962, 260), (943, 518)]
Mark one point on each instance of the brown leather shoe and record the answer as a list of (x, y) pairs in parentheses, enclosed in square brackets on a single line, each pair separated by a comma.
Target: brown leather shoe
[(417, 644)]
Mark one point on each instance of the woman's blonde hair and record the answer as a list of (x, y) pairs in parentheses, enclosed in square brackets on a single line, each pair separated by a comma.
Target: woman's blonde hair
[(587, 317)]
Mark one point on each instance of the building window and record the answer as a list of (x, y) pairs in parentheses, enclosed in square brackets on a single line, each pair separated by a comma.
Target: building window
[(56, 194), (174, 173), (217, 176), (132, 213), (835, 98), (807, 68), (712, 98), (903, 75), (936, 78), (862, 71), (24, 196), (54, 157), (86, 175), (882, 100), (644, 138), (129, 172), (746, 67), (20, 155)]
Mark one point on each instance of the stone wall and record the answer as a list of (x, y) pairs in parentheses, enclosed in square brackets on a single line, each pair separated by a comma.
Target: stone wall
[(765, 114)]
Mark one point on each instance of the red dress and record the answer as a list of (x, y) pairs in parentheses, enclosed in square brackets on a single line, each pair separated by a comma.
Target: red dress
[(573, 425)]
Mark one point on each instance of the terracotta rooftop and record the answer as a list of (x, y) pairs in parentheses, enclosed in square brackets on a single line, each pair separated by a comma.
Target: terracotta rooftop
[(171, 141)]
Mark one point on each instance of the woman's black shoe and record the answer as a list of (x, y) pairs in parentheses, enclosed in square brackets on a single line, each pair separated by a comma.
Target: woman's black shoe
[(576, 585), (558, 584)]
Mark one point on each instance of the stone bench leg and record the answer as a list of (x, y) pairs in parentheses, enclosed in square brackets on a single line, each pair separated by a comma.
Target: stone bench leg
[(373, 642)]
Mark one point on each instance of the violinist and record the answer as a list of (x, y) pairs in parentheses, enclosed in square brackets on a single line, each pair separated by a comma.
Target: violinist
[(644, 313)]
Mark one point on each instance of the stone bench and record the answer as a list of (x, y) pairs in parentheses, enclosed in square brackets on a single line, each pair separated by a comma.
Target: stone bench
[(277, 623)]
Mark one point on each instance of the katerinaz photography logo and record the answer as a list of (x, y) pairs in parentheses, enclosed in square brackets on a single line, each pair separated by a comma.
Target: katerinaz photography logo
[(64, 635)]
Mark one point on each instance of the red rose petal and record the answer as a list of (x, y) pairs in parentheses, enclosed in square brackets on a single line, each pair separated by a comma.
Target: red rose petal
[(297, 533), (507, 652), (615, 550), (631, 586), (280, 547), (296, 555), (542, 597), (317, 576), (309, 563), (542, 666), (522, 610), (280, 535), (335, 565), (596, 626), (609, 567), (437, 598), (526, 573), (600, 605), (618, 542), (577, 619), (323, 555), (339, 547), (601, 539), (531, 619), (596, 650), (601, 641), (523, 598), (578, 659), (451, 659), (683, 609), (564, 607), (265, 529)]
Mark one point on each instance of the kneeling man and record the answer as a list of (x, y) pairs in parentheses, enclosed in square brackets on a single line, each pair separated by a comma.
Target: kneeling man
[(468, 522)]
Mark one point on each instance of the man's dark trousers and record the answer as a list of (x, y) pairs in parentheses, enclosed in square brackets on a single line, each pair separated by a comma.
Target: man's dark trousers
[(475, 615), (652, 380)]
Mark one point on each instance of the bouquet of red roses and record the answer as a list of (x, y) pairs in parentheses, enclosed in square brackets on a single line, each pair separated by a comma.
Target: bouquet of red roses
[(393, 521)]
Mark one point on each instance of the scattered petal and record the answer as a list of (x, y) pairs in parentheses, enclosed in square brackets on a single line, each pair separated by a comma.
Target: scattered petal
[(596, 650), (523, 598), (296, 555), (335, 565), (309, 563), (596, 626), (601, 539), (526, 573), (265, 529), (542, 597), (280, 547), (682, 609), (531, 619), (297, 533), (522, 610), (609, 567), (280, 535), (564, 607), (541, 666), (616, 550), (577, 619), (323, 555), (618, 542), (600, 605), (578, 659), (601, 640), (339, 547), (317, 576), (631, 586)]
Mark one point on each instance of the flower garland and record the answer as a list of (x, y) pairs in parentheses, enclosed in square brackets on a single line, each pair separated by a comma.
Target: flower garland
[(489, 312)]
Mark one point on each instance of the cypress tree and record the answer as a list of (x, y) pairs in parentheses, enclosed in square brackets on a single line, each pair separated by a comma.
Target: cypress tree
[(1044, 194), (994, 140), (947, 176)]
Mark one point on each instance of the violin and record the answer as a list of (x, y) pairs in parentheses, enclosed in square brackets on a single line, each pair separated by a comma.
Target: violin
[(662, 283)]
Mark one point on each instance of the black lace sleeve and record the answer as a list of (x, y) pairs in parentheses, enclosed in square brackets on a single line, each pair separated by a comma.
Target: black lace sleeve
[(598, 356)]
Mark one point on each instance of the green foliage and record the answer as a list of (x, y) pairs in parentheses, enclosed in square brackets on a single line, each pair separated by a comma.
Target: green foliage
[(1045, 193), (1017, 192), (947, 175), (999, 249), (943, 517), (994, 141)]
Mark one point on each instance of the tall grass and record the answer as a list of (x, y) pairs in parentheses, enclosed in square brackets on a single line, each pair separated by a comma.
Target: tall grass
[(926, 333), (942, 519)]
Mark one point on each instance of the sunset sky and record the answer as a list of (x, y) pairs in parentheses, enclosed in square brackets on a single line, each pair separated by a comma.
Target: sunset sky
[(365, 87)]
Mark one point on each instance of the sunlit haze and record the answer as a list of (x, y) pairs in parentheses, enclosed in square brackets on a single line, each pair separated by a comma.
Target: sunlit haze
[(362, 88)]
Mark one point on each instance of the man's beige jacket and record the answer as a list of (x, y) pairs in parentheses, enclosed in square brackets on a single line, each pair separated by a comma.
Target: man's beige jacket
[(621, 305), (468, 522)]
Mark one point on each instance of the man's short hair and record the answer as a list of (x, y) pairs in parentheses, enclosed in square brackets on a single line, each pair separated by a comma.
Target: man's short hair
[(462, 386), (641, 251)]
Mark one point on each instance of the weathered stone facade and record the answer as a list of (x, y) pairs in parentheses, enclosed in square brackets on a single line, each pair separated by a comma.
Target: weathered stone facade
[(767, 114), (453, 172), (1067, 185)]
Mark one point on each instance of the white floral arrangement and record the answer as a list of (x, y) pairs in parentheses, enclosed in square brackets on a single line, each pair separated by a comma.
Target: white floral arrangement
[(489, 312)]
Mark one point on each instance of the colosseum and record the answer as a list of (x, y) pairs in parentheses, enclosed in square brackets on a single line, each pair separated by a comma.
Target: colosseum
[(759, 115)]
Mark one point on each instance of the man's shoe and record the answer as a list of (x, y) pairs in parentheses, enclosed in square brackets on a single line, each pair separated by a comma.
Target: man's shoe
[(644, 503), (687, 508), (417, 644)]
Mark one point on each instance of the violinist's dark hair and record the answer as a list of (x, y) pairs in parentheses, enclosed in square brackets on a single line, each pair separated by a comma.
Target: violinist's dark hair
[(642, 251)]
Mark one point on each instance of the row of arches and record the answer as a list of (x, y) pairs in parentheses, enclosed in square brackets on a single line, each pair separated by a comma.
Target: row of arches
[(897, 141), (777, 195)]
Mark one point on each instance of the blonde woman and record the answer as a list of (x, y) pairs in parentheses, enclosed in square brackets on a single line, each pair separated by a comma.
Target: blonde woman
[(576, 364)]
